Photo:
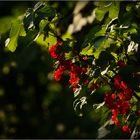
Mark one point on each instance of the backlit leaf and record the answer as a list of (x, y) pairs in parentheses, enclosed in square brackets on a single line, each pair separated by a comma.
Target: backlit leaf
[(88, 50), (15, 31)]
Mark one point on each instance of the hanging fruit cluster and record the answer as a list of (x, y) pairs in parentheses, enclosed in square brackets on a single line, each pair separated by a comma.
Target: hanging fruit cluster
[(82, 72)]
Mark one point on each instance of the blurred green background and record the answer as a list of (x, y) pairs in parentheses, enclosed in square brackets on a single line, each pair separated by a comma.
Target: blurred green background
[(31, 104)]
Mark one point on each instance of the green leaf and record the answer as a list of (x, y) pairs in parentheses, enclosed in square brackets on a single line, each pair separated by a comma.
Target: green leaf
[(42, 25), (50, 40), (102, 44), (28, 20), (93, 40), (66, 47), (103, 89), (88, 50), (101, 32), (46, 12), (114, 55), (112, 7), (102, 3), (67, 36), (132, 30), (16, 29), (68, 55), (114, 10), (91, 35), (22, 31), (5, 24), (100, 13), (104, 60)]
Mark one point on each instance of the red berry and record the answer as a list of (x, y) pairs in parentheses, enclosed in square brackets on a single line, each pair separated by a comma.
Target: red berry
[(73, 75), (53, 51), (86, 82), (74, 81), (84, 70), (121, 95), (117, 84), (114, 112), (125, 128), (113, 96), (117, 123), (121, 63), (84, 58), (123, 85), (66, 64), (109, 101), (114, 118), (128, 93), (117, 77), (138, 112), (58, 74), (92, 86), (74, 89)]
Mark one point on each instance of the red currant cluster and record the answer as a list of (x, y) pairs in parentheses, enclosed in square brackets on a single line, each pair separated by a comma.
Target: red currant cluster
[(54, 51), (119, 101), (64, 65), (74, 70)]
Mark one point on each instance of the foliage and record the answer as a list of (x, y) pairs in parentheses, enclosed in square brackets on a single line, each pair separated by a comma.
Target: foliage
[(102, 65)]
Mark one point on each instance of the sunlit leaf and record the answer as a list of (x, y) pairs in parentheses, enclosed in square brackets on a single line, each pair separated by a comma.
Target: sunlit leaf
[(43, 23), (66, 36), (88, 50), (102, 44), (114, 10), (49, 40), (100, 13), (14, 34), (112, 7)]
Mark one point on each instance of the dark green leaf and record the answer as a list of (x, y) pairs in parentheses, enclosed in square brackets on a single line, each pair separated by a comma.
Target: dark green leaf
[(46, 12), (28, 20)]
